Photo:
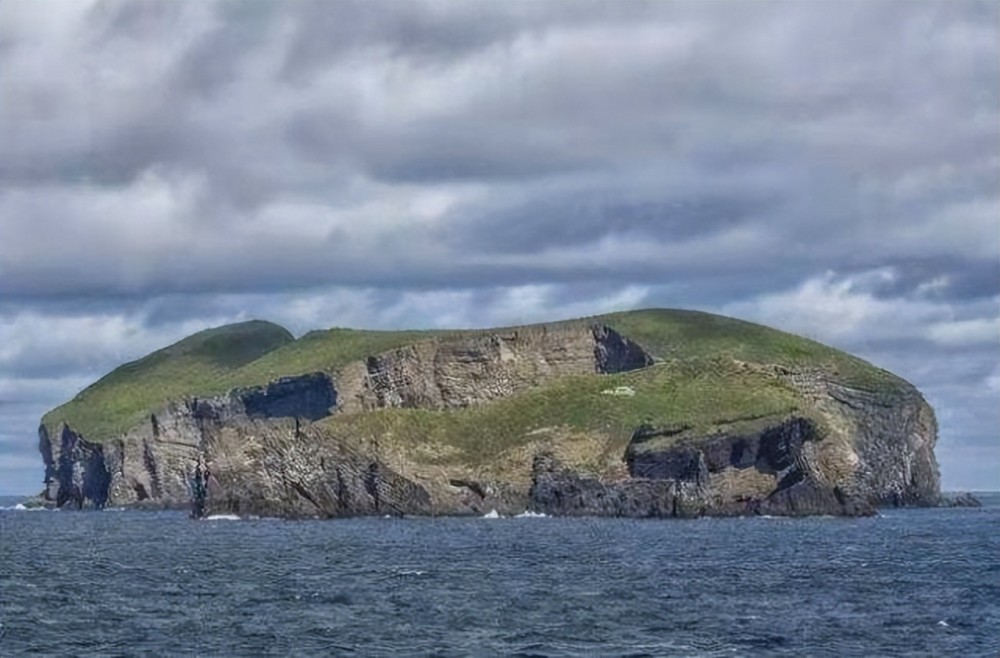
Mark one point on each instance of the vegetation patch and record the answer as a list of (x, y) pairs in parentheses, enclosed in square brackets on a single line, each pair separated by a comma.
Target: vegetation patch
[(201, 364), (696, 380), (700, 394)]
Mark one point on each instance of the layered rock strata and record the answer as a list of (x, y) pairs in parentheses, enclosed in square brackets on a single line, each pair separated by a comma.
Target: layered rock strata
[(258, 451)]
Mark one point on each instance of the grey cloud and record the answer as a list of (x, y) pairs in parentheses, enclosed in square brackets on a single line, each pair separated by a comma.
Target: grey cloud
[(942, 278), (582, 216), (120, 19), (317, 162), (217, 58), (323, 32), (444, 156)]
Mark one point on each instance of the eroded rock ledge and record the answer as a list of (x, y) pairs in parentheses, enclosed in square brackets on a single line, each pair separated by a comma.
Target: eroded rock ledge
[(696, 478), (448, 374)]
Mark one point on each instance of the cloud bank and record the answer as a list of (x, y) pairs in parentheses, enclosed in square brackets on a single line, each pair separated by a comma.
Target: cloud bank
[(830, 168)]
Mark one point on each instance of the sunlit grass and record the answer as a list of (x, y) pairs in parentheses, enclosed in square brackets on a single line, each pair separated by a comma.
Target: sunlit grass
[(200, 364), (701, 394), (695, 345)]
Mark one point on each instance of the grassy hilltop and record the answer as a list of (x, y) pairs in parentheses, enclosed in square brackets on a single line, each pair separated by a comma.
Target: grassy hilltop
[(703, 382), (197, 365)]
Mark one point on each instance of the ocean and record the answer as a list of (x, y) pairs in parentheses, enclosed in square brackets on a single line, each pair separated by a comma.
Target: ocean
[(916, 582)]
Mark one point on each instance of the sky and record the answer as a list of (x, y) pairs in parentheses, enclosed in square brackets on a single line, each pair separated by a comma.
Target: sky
[(830, 168)]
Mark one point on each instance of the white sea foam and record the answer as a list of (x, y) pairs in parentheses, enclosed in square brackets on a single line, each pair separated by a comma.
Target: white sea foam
[(492, 514), (943, 623), (21, 508), (528, 514), (222, 517)]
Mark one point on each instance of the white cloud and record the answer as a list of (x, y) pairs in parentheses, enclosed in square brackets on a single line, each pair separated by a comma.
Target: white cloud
[(91, 344), (843, 309), (966, 332), (167, 166)]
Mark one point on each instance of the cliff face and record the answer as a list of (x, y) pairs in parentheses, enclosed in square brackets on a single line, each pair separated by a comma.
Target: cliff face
[(257, 450), (880, 444), (447, 374), (75, 471), (156, 463)]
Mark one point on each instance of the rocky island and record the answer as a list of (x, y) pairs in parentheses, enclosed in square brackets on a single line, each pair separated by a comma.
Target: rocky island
[(654, 413)]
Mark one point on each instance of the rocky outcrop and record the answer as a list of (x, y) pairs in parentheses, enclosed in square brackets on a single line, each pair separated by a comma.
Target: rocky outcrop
[(881, 443), (559, 491), (459, 372), (310, 397), (288, 469), (76, 473), (770, 471), (964, 499), (154, 464)]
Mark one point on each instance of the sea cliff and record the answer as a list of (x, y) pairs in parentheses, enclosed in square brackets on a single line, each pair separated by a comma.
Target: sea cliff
[(648, 414)]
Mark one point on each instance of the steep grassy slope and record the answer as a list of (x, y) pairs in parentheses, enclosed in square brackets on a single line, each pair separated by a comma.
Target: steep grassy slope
[(200, 364), (246, 354), (669, 333), (696, 396), (666, 333), (324, 351)]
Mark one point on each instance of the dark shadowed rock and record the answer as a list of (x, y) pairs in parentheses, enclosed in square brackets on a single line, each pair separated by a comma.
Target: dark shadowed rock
[(310, 397), (76, 473), (615, 353), (964, 499)]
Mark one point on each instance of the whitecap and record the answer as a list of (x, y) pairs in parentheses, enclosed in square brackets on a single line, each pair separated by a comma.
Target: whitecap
[(528, 514), (222, 517), (943, 623), (34, 508), (492, 514)]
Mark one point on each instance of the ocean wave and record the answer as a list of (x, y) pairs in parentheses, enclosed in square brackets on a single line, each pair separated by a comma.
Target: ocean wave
[(492, 514), (22, 508), (528, 514), (222, 517)]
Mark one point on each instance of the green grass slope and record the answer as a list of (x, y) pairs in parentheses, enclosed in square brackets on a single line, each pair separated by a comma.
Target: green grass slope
[(670, 333), (701, 395), (253, 353), (200, 364), (326, 351)]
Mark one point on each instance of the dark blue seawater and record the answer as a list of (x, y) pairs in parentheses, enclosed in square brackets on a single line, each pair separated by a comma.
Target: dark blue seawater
[(908, 583)]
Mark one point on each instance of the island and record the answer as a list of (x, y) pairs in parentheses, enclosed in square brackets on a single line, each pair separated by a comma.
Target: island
[(651, 413)]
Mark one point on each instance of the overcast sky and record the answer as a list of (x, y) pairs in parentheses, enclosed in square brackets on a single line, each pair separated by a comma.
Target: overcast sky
[(827, 168)]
